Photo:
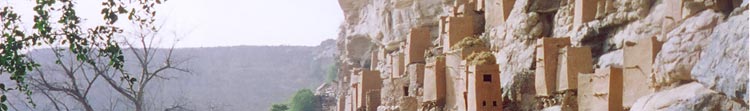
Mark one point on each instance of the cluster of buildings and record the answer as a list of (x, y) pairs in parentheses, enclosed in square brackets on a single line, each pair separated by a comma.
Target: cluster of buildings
[(455, 70)]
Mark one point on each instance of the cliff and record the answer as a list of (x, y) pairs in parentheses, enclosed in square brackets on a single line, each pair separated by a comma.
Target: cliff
[(700, 49)]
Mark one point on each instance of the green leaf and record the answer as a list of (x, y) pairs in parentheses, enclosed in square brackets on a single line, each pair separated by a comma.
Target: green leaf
[(3, 107), (3, 98)]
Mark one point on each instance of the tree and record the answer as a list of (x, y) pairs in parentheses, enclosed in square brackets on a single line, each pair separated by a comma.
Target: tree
[(132, 86), (304, 100), (79, 41), (331, 73), (71, 78)]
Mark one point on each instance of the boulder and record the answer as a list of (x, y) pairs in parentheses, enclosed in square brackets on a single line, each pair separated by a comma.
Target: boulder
[(723, 65), (682, 47), (688, 97)]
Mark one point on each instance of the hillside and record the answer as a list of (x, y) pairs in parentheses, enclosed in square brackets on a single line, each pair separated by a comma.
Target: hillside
[(220, 78)]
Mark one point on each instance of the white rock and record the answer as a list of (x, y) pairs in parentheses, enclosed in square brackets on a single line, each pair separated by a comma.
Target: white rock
[(723, 65), (688, 97)]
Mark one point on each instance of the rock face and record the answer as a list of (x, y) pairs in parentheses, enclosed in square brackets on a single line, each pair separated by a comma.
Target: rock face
[(706, 46), (691, 96), (682, 48), (723, 65)]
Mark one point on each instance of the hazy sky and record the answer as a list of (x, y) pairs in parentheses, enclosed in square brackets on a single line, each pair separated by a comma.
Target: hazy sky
[(207, 23)]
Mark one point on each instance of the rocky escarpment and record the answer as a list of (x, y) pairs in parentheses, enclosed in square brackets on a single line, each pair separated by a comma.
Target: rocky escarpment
[(705, 52)]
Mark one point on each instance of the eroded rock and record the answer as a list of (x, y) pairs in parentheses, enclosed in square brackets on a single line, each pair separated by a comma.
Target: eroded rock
[(723, 65), (682, 47), (688, 97)]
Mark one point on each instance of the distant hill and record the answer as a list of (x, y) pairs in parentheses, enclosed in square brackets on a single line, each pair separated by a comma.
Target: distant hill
[(223, 78)]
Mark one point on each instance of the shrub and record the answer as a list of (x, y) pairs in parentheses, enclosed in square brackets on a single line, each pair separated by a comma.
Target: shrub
[(304, 100)]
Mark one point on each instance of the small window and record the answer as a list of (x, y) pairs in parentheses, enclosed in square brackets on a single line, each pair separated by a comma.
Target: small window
[(484, 103), (494, 103), (487, 78), (406, 90)]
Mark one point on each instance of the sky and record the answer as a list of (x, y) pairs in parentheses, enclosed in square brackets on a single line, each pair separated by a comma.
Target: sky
[(211, 23)]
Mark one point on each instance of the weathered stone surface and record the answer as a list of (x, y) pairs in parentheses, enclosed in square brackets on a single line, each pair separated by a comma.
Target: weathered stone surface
[(390, 20), (691, 96), (553, 108), (408, 104), (640, 28), (522, 97), (624, 12), (723, 64), (353, 52), (681, 49), (613, 58), (386, 23)]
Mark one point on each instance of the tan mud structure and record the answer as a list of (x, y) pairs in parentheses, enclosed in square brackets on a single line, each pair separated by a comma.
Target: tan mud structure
[(638, 57), (571, 62), (484, 88), (369, 81), (547, 52), (434, 82), (442, 79), (601, 91)]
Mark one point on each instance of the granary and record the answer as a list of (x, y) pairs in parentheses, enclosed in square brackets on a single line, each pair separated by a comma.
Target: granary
[(372, 100), (341, 103), (416, 44), (547, 51), (434, 81), (638, 57), (368, 81), (483, 92), (416, 77), (461, 24), (584, 11), (601, 91), (456, 68), (397, 64), (353, 99), (571, 62), (457, 29)]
